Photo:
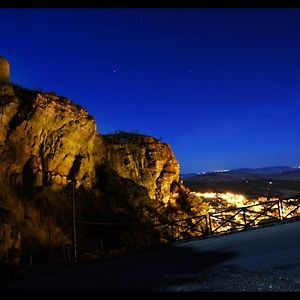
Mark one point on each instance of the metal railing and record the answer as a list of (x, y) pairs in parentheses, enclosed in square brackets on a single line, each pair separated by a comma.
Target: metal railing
[(253, 215), (136, 237), (103, 240)]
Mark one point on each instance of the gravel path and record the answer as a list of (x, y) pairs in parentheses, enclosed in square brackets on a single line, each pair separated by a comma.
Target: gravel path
[(224, 279), (266, 260)]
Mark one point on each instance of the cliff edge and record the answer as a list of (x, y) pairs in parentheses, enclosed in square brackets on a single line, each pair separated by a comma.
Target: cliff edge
[(48, 144)]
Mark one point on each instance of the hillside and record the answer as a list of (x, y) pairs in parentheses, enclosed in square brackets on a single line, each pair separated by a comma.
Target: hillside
[(48, 143), (269, 182)]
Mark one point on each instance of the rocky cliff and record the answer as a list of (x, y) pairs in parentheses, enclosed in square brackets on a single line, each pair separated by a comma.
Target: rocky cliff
[(48, 143)]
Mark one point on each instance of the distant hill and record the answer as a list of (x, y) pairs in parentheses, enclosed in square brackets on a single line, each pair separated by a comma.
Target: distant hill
[(188, 175), (264, 171), (279, 181)]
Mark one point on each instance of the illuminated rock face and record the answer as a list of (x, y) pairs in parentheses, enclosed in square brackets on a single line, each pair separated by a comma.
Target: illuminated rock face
[(46, 142), (49, 140), (145, 160), (4, 69)]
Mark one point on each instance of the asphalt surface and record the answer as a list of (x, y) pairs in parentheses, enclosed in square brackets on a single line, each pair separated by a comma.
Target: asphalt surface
[(272, 250)]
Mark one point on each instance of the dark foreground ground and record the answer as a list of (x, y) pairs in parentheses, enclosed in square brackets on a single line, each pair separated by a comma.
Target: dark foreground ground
[(264, 259)]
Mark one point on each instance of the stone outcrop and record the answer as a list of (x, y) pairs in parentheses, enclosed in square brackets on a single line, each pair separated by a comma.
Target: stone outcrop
[(47, 143), (145, 160), (44, 139)]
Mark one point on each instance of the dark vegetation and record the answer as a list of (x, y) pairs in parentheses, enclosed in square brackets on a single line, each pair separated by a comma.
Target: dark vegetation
[(127, 137)]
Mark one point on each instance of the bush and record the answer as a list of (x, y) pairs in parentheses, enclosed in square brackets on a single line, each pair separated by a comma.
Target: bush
[(125, 137)]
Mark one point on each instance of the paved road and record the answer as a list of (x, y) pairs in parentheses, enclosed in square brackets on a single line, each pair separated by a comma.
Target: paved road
[(269, 248), (257, 249)]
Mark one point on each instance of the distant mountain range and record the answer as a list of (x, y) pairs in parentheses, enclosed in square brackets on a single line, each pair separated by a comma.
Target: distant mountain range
[(279, 181), (265, 171), (258, 171)]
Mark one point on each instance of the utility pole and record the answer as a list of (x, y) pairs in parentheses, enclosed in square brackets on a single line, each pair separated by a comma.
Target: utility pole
[(74, 245)]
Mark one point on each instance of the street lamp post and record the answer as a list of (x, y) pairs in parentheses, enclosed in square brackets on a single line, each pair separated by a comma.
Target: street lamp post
[(269, 190), (74, 243)]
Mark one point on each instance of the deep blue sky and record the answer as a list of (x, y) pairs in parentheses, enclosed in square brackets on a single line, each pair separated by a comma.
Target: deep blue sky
[(221, 86)]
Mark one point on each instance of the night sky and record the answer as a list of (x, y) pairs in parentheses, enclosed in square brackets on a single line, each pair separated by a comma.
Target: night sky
[(221, 86)]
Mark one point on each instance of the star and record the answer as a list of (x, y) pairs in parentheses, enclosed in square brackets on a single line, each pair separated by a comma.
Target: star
[(190, 71), (114, 71), (141, 18)]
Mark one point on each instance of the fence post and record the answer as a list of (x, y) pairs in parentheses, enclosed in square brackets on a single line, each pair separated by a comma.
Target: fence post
[(173, 232), (136, 237), (280, 209), (244, 218), (49, 229), (206, 226), (68, 252), (210, 224), (64, 253), (31, 262), (102, 248)]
